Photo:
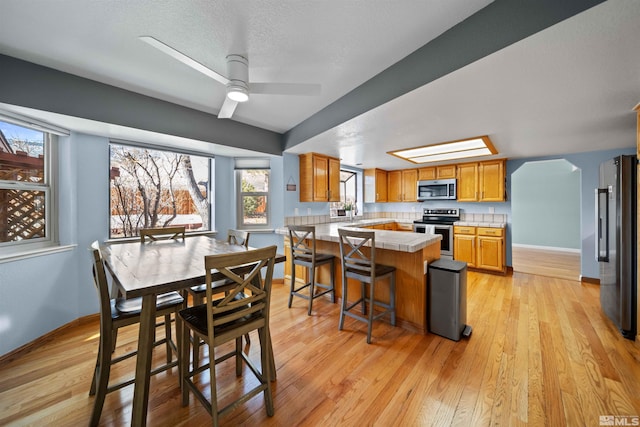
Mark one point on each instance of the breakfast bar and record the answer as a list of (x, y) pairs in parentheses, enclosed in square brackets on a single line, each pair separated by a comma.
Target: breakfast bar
[(408, 252)]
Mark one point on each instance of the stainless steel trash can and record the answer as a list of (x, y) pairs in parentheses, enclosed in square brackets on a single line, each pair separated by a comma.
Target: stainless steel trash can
[(447, 293)]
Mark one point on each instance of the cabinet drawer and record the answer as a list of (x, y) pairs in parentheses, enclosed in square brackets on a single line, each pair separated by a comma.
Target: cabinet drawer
[(461, 229), (490, 231)]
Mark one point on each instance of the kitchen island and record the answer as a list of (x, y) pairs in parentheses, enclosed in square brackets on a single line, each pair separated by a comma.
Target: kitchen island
[(408, 252)]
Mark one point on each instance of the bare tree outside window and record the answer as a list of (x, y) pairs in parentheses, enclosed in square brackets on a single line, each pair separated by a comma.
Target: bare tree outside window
[(152, 188)]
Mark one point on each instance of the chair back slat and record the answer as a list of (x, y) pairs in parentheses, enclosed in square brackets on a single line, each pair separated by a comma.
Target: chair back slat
[(255, 290), (302, 239), (170, 233), (238, 237), (353, 257)]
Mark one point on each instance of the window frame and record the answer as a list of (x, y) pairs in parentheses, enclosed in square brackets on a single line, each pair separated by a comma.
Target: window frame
[(239, 197), (333, 208), (12, 249), (172, 150)]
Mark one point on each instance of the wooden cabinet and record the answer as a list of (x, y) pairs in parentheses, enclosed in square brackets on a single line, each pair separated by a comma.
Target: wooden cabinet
[(480, 247), (319, 178), (427, 173), (491, 186), (467, 182), (404, 226), (402, 185), (375, 185), (464, 245), (445, 171), (481, 182), (437, 172)]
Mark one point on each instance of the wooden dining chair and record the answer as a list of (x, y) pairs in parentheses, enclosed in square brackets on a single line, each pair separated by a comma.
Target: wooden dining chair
[(165, 233), (356, 264), (302, 240), (234, 237), (243, 309), (153, 234), (114, 314)]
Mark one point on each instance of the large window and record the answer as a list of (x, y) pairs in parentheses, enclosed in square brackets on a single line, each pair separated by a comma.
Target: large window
[(25, 186), (153, 188), (253, 198)]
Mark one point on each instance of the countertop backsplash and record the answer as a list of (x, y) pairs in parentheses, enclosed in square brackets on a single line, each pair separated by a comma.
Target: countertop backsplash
[(470, 219)]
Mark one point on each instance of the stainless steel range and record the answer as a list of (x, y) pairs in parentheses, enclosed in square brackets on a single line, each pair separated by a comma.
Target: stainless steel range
[(439, 221)]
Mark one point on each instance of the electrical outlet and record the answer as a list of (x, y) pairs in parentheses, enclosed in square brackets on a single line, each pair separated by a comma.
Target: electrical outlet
[(491, 209), (308, 211), (296, 212)]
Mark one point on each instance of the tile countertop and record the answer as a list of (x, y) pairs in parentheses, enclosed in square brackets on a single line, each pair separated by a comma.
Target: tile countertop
[(401, 241)]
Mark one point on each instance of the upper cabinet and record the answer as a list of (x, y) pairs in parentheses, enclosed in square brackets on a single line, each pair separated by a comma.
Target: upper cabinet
[(437, 172), (481, 182), (402, 185), (375, 185), (319, 178)]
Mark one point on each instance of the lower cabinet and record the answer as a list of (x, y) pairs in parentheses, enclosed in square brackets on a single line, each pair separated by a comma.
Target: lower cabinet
[(480, 247)]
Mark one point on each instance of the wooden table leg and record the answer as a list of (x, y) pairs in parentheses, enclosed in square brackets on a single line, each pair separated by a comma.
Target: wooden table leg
[(143, 361)]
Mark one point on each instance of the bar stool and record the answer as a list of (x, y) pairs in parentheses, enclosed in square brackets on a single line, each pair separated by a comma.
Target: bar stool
[(303, 253), (357, 265)]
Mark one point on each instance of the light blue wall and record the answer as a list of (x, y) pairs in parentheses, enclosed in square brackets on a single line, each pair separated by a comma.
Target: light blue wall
[(589, 164), (547, 194), (40, 294)]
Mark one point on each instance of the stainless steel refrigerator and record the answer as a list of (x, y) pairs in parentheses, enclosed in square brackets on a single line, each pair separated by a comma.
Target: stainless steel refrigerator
[(616, 208)]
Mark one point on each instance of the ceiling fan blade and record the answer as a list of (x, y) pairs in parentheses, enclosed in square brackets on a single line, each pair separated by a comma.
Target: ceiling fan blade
[(285, 88), (184, 59), (227, 109)]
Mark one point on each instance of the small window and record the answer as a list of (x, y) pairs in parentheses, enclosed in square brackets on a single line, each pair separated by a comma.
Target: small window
[(26, 195), (348, 195), (253, 198), (153, 188)]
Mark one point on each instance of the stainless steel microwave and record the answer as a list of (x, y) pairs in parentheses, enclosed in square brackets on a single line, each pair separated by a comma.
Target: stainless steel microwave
[(437, 189)]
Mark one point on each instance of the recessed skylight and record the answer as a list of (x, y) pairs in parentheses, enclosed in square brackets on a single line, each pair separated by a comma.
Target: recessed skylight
[(461, 149)]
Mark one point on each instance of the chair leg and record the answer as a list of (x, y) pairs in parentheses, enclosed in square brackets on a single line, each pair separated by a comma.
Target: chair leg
[(312, 282), (392, 299), (265, 360), (363, 292), (333, 281), (183, 361), (293, 283), (343, 305), (167, 335), (370, 318), (197, 300), (103, 369), (238, 356), (212, 384)]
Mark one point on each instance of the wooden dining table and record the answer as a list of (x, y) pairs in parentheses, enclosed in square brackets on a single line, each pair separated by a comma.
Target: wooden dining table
[(148, 269)]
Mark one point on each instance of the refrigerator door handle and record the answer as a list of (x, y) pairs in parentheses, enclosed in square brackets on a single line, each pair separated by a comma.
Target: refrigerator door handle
[(602, 242)]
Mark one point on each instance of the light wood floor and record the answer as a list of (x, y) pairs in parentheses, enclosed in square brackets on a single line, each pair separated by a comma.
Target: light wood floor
[(546, 262), (541, 353)]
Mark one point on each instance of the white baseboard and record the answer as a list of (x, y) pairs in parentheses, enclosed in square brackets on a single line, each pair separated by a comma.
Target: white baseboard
[(545, 248)]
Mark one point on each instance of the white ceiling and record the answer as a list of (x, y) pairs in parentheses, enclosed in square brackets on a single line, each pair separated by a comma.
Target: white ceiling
[(569, 88)]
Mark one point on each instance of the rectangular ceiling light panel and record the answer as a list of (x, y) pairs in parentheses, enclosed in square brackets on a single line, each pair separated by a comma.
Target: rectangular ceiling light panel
[(460, 149)]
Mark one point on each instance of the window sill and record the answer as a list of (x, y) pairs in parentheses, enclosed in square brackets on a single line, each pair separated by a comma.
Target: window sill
[(137, 238), (30, 253), (259, 230)]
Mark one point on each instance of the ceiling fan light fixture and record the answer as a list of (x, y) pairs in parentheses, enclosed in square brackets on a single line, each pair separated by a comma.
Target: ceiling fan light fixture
[(237, 92)]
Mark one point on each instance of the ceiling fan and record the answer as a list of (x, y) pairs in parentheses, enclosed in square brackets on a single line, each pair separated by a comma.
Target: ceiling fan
[(237, 79)]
